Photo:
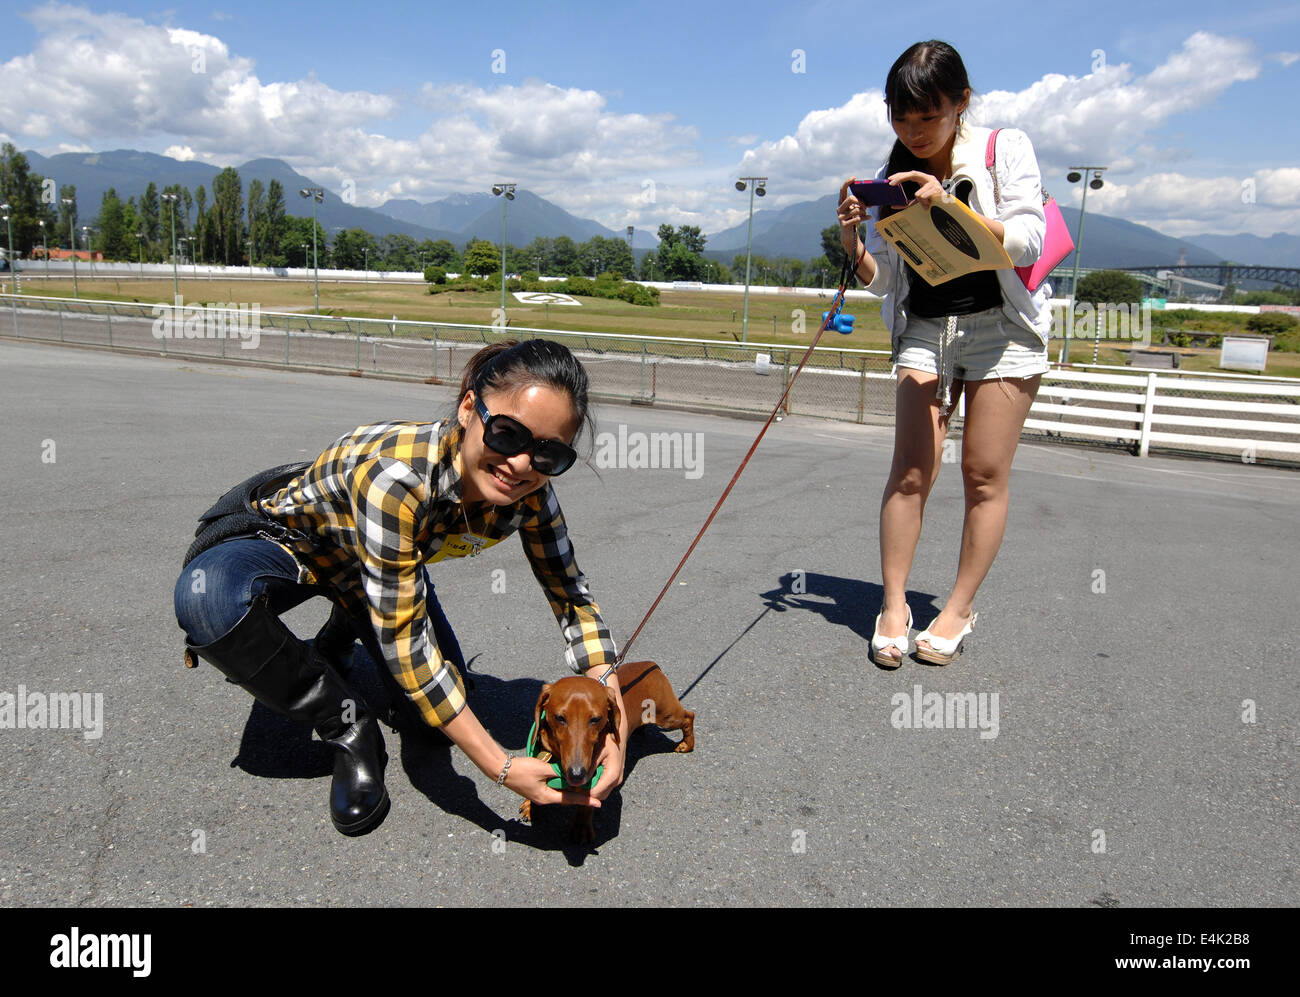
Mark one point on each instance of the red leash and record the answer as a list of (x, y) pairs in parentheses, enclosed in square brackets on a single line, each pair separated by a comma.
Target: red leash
[(836, 304)]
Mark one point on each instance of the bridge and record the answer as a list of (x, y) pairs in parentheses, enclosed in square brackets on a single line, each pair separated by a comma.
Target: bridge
[(1208, 276), (1224, 274)]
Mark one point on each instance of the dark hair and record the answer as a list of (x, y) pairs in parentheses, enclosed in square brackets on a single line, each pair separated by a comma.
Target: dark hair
[(511, 366), (917, 81), (922, 75)]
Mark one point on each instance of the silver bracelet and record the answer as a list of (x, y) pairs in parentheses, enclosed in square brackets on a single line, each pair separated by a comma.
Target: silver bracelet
[(501, 779)]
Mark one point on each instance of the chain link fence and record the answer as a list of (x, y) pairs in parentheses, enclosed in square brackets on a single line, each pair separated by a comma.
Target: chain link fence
[(1119, 407), (836, 383)]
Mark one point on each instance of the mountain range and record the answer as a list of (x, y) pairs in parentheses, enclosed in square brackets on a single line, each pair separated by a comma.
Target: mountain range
[(794, 230)]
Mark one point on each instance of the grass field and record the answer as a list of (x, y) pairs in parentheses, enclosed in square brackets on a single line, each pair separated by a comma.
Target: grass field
[(681, 313)]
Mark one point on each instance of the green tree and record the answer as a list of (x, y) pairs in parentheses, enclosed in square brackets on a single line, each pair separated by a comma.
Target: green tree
[(354, 248), (691, 237), (227, 214), (482, 258), (819, 273), (256, 193), (273, 226), (150, 216), (397, 251), (564, 257), (202, 226), (678, 256), (600, 254), (1113, 287), (537, 255), (22, 190), (833, 248), (296, 244), (440, 253), (111, 236)]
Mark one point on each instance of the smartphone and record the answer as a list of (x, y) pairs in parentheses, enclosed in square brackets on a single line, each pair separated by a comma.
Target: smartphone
[(877, 193)]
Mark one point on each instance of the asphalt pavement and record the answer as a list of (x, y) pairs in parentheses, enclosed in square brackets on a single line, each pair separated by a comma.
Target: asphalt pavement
[(1132, 673)]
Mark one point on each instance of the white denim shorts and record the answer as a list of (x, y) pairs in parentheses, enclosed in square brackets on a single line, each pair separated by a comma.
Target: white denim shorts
[(988, 346)]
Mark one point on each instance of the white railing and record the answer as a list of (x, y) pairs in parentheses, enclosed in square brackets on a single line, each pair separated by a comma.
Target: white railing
[(1135, 407)]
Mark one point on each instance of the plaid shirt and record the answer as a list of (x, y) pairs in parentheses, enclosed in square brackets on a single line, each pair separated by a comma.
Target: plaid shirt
[(385, 499)]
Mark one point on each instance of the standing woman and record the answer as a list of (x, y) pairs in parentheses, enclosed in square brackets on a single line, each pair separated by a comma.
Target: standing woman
[(358, 526), (983, 333)]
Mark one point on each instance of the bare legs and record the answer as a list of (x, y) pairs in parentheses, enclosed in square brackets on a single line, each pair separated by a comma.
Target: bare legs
[(995, 414)]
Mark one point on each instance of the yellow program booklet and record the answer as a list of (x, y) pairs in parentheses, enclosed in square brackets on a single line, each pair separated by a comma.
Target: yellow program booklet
[(943, 241)]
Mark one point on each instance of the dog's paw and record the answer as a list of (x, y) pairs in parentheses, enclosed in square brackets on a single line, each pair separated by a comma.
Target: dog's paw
[(526, 811)]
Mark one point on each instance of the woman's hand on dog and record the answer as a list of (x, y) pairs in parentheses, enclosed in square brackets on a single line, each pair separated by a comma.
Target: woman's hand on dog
[(528, 777), (613, 754)]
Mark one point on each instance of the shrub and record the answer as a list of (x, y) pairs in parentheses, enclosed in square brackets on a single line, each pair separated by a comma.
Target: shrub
[(435, 275), (1271, 323)]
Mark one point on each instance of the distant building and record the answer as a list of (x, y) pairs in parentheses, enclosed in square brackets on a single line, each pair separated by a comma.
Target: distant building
[(38, 253)]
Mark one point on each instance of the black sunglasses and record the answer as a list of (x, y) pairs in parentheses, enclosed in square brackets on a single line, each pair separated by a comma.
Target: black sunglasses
[(509, 437)]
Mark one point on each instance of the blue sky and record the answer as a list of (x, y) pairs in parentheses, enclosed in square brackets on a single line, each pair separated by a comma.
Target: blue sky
[(646, 114)]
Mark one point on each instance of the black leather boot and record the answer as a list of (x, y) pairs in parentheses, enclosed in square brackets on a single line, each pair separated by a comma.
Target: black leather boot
[(264, 656), (336, 640)]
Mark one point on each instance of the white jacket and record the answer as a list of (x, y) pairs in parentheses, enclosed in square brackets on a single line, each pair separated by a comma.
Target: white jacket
[(1020, 210)]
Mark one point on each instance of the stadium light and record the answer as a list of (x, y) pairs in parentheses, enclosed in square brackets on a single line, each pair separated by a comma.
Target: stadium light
[(70, 204), (317, 195), (508, 189), (760, 189), (1076, 174), (171, 199)]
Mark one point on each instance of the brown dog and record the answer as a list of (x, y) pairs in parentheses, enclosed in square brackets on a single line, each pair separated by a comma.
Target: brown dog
[(574, 715)]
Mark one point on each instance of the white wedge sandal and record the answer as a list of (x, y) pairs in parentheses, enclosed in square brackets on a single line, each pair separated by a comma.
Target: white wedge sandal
[(943, 650), (879, 643)]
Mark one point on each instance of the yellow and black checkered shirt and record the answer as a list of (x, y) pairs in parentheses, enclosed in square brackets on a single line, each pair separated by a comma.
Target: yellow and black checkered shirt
[(386, 499)]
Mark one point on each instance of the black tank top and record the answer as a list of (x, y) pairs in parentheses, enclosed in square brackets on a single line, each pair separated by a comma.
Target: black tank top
[(974, 292)]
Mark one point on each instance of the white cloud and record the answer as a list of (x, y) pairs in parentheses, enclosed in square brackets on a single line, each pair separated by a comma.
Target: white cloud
[(163, 88), (1109, 116), (120, 78), (1260, 203)]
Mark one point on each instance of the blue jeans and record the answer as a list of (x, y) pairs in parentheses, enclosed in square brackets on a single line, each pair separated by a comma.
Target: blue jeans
[(216, 589)]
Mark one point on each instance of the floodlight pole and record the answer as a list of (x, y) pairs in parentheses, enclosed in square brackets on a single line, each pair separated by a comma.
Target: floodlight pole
[(508, 189), (1076, 174), (757, 185), (317, 195)]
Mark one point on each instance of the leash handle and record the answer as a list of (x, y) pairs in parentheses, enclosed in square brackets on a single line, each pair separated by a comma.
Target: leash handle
[(837, 303)]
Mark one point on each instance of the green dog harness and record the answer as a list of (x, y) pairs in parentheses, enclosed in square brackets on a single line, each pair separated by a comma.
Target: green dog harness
[(535, 748)]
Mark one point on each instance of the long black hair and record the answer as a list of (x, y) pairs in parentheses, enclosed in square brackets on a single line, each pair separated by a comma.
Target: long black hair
[(918, 80), (511, 366)]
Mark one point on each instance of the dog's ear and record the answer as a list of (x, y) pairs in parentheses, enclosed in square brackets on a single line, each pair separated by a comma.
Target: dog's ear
[(542, 739), (615, 715)]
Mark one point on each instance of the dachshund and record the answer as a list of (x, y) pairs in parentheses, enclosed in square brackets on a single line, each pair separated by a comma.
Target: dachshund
[(574, 715)]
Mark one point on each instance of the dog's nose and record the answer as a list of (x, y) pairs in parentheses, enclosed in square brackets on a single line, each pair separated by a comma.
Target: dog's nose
[(577, 775)]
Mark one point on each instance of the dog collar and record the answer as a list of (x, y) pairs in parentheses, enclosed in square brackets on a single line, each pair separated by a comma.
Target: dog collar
[(534, 749)]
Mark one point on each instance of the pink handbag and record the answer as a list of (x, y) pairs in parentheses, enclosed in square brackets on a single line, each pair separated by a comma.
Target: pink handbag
[(1057, 244)]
